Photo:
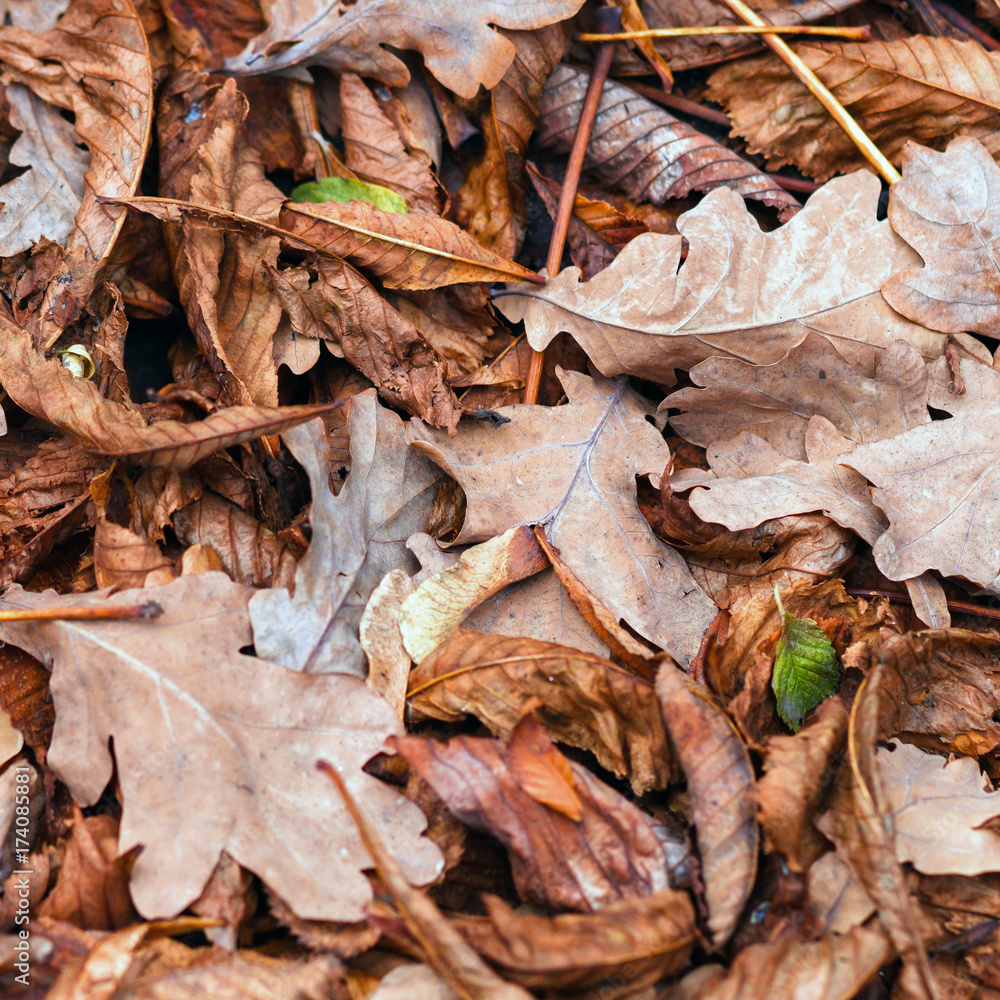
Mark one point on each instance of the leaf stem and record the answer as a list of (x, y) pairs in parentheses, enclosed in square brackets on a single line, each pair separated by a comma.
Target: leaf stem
[(84, 613), (859, 34)]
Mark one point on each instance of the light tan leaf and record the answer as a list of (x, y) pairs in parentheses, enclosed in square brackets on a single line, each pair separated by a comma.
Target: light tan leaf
[(216, 750), (378, 632), (757, 483), (357, 537), (921, 88), (835, 897), (586, 701), (944, 209), (403, 251), (456, 41), (937, 807), (572, 468), (42, 201), (32, 16), (42, 387), (723, 799), (645, 151), (775, 402), (740, 293)]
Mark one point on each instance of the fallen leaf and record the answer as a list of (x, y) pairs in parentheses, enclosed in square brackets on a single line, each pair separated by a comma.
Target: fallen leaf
[(915, 88), (357, 537), (25, 698), (226, 897), (42, 387), (378, 632), (631, 942), (835, 897), (586, 701), (403, 251), (346, 190), (572, 468), (644, 150), (740, 293), (937, 808), (612, 853), (775, 402), (187, 713), (457, 44), (942, 208), (723, 799)]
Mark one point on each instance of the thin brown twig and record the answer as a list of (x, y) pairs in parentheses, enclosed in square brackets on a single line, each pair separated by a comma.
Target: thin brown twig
[(610, 18), (956, 20), (859, 34), (84, 613), (819, 90)]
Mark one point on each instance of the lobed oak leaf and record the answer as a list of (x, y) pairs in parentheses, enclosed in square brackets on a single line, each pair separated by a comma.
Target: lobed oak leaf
[(215, 750), (458, 46), (357, 537), (572, 469), (740, 293)]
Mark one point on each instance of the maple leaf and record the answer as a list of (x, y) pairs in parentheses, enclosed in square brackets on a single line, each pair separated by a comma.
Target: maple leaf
[(572, 468), (945, 208), (456, 41), (215, 750), (357, 537), (741, 293)]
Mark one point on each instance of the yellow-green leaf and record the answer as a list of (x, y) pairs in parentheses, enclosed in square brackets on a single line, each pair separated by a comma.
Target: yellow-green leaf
[(345, 189)]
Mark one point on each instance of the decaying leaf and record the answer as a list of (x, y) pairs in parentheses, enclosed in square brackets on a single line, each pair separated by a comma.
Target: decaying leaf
[(723, 799), (571, 468), (188, 714), (917, 88), (740, 293), (346, 190), (586, 701), (357, 537), (611, 853)]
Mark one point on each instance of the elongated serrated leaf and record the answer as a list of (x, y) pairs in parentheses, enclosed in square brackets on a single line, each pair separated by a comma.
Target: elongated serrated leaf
[(806, 669), (345, 189)]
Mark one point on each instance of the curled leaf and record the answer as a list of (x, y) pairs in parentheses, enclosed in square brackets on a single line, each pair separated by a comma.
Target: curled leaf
[(347, 189)]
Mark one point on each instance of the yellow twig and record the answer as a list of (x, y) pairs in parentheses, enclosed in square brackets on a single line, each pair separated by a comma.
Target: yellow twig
[(816, 87), (860, 34)]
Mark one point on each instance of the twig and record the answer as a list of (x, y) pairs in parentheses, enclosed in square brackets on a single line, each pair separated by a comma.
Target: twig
[(819, 90), (895, 597), (858, 34), (678, 103), (974, 32), (610, 18), (148, 610)]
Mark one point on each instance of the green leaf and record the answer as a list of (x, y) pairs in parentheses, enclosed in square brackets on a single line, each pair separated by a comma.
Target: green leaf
[(344, 190), (806, 668)]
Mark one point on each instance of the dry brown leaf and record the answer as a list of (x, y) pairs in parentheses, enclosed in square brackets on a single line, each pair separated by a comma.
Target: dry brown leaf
[(943, 208), (612, 853), (357, 537), (937, 485), (42, 387), (227, 897), (723, 799), (944, 685), (378, 632), (740, 293), (492, 203), (775, 402), (586, 701), (403, 251), (440, 603), (833, 968), (198, 773), (645, 151), (921, 88), (797, 772), (834, 896), (572, 469), (456, 41), (25, 698), (937, 809), (756, 483), (634, 942)]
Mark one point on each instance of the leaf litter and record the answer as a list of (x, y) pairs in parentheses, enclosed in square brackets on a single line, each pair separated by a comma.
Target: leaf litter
[(273, 282)]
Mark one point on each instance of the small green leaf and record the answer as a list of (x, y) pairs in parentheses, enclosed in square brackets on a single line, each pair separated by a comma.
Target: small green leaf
[(344, 190), (806, 668)]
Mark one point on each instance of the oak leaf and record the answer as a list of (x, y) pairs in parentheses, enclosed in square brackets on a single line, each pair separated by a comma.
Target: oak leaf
[(945, 208), (572, 469), (357, 537), (456, 41), (741, 293), (215, 750)]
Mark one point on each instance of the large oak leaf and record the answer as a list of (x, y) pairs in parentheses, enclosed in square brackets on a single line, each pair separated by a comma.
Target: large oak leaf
[(215, 751), (572, 468), (741, 293)]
